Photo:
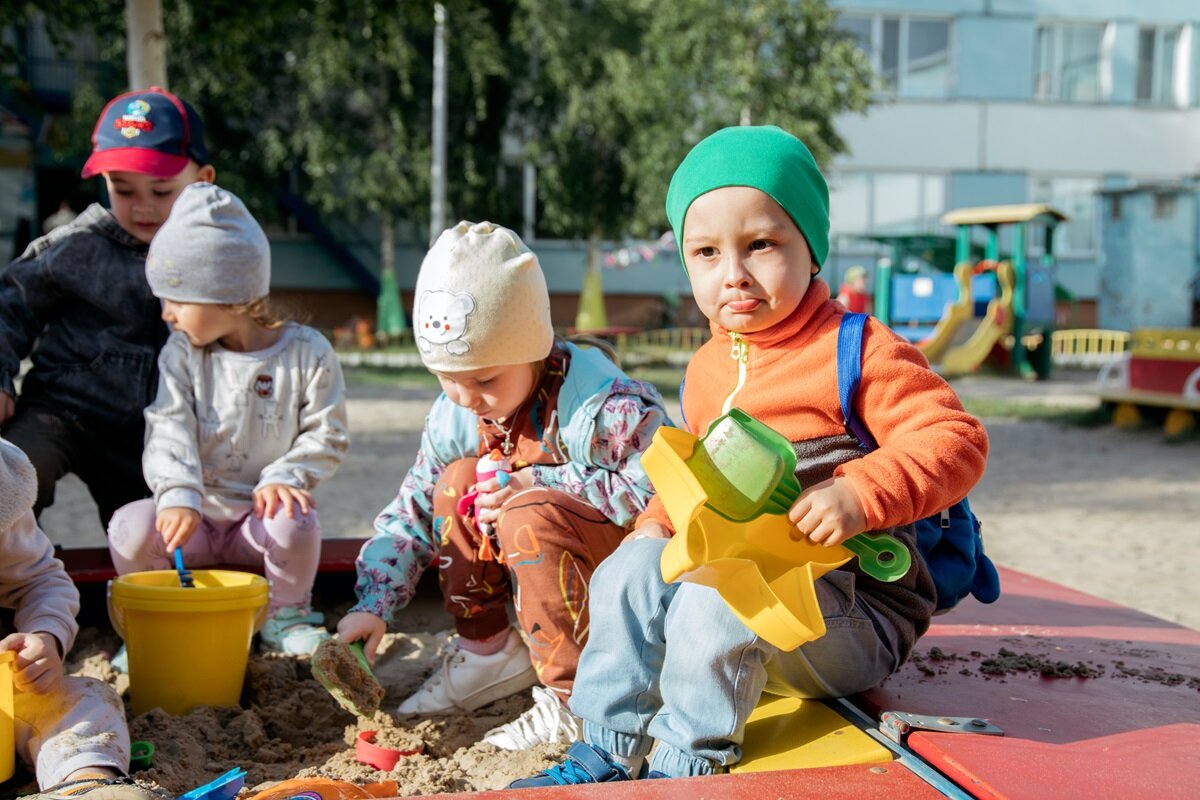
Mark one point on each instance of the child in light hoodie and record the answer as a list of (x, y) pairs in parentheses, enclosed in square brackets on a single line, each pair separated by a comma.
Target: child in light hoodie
[(70, 730)]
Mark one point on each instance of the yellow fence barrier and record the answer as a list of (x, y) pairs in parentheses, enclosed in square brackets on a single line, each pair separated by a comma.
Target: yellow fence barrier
[(1088, 347)]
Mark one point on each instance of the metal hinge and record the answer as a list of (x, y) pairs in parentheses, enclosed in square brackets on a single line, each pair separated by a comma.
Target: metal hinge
[(897, 724)]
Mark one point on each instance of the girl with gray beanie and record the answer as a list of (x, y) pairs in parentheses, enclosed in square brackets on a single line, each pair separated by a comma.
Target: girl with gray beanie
[(250, 417)]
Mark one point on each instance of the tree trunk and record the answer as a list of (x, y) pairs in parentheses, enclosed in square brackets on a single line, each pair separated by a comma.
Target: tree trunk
[(591, 315), (145, 43)]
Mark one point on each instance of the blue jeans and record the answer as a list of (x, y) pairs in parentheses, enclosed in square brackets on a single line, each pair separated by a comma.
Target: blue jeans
[(671, 662)]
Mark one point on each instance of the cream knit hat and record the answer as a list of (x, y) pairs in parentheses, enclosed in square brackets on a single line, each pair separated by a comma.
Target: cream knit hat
[(481, 301)]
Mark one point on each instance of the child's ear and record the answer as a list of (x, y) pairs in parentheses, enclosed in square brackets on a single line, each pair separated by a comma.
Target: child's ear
[(206, 174)]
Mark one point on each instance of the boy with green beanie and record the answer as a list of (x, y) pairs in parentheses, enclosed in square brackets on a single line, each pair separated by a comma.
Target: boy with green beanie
[(671, 662)]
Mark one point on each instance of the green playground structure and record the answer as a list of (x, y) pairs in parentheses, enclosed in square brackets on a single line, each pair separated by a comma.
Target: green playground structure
[(971, 311)]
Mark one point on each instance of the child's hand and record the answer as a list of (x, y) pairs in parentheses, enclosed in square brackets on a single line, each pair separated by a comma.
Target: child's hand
[(363, 625), (279, 496), (39, 667), (648, 530), (7, 406), (495, 492), (176, 525), (828, 513)]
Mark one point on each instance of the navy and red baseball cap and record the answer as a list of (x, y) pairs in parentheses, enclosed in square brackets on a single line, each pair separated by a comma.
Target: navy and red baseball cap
[(151, 132)]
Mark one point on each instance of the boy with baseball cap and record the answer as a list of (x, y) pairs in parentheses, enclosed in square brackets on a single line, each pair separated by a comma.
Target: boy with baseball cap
[(77, 303)]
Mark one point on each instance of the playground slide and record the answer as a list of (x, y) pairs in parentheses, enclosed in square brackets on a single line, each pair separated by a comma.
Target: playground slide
[(958, 312), (995, 326)]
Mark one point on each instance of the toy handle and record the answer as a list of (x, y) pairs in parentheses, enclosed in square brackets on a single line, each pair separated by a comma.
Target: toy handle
[(357, 649), (881, 556)]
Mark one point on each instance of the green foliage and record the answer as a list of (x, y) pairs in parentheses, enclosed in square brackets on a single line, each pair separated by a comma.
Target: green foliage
[(332, 99), (62, 19), (625, 87)]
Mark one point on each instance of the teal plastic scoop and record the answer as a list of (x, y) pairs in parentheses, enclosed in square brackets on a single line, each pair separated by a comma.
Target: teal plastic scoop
[(748, 469)]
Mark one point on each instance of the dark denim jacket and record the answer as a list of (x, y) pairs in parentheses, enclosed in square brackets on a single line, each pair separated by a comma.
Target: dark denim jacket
[(77, 303)]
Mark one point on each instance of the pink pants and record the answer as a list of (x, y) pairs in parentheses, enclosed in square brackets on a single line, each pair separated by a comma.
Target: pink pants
[(288, 550)]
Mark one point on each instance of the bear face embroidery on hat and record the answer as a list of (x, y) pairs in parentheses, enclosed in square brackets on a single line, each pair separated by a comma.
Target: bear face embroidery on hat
[(442, 317)]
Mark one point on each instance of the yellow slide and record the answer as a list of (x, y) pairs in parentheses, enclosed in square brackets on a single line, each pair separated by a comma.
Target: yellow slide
[(956, 314), (995, 326)]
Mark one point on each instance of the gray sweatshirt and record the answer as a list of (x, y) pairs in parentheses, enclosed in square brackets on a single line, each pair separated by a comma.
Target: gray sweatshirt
[(225, 423), (32, 581)]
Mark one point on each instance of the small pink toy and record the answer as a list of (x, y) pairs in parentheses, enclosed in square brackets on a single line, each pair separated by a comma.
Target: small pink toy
[(493, 465)]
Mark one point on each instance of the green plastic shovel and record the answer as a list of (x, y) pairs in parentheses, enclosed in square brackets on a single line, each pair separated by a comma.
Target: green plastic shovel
[(746, 468)]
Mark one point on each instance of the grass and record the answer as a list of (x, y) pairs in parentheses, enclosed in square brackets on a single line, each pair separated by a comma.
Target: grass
[(667, 380), (998, 407), (404, 377)]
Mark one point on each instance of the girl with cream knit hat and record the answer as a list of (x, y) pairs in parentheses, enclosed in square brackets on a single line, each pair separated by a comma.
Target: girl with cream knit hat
[(566, 428)]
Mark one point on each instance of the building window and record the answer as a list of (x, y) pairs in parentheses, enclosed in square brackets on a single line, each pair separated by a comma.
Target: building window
[(1071, 61), (887, 202), (1077, 198), (1161, 66), (911, 55), (1164, 205)]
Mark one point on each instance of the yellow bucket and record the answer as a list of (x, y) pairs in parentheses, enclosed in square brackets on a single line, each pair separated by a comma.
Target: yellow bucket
[(8, 735), (187, 647)]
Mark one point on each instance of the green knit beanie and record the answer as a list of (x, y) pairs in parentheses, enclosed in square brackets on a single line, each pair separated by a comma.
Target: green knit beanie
[(766, 158)]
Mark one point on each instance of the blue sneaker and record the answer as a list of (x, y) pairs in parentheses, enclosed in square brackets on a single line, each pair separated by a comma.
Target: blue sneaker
[(295, 631), (120, 662), (584, 763)]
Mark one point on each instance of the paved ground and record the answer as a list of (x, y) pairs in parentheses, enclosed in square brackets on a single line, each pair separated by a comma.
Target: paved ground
[(1112, 512)]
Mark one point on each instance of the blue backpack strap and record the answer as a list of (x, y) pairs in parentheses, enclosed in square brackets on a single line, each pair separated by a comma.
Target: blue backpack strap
[(682, 415), (849, 373)]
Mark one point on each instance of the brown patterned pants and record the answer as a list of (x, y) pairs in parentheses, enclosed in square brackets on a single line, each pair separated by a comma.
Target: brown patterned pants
[(549, 545)]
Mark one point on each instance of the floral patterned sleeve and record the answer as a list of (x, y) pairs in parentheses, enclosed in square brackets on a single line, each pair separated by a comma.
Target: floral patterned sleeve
[(612, 478), (404, 545)]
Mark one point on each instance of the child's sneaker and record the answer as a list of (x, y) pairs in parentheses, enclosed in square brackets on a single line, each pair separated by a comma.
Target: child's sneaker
[(548, 722), (468, 681), (120, 662), (97, 787), (295, 631), (584, 763)]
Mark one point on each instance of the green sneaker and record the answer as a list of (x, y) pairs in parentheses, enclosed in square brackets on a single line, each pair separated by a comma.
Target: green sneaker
[(295, 631)]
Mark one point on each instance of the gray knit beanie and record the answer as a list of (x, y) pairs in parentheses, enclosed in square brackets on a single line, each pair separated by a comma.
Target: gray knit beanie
[(210, 250), (18, 485)]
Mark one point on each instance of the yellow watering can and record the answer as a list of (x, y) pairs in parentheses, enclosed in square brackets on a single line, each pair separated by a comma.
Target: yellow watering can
[(727, 495)]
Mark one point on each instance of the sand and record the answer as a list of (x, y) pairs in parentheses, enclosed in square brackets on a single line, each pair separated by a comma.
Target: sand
[(1107, 511)]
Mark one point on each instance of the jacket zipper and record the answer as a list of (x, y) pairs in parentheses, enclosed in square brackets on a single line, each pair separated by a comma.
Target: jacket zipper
[(740, 352)]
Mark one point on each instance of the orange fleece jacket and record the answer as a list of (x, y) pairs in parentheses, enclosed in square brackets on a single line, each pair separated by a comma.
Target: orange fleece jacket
[(931, 452)]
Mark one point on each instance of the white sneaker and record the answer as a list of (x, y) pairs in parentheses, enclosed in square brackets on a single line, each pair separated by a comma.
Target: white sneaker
[(468, 681), (547, 722)]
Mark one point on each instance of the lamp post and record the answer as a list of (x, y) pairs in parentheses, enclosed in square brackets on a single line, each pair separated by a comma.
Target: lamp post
[(437, 200)]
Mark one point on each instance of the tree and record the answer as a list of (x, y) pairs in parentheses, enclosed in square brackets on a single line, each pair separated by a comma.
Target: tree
[(577, 127), (711, 64), (331, 102), (624, 88)]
